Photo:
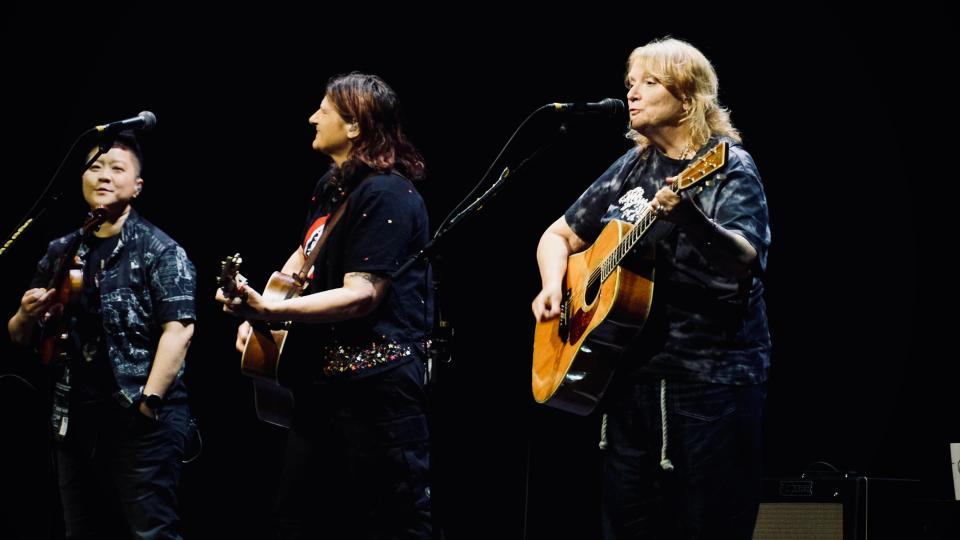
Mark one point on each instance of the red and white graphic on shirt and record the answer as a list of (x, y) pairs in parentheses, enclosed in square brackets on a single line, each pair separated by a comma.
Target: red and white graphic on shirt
[(313, 235)]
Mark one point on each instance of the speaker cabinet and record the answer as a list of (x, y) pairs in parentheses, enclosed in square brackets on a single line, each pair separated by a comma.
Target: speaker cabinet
[(838, 507)]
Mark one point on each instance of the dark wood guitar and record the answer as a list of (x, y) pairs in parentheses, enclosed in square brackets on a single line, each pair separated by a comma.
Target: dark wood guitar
[(604, 306), (261, 355), (67, 279)]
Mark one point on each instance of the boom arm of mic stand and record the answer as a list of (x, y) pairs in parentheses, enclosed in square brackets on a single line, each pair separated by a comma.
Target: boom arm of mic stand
[(473, 209), (34, 213)]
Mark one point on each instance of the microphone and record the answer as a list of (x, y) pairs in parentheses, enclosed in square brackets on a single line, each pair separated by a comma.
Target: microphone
[(608, 106), (146, 120)]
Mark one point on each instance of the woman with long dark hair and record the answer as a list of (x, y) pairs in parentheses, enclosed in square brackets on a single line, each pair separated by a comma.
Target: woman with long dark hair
[(357, 457)]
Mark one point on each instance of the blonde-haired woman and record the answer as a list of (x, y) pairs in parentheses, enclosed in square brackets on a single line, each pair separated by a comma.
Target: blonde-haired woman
[(683, 413)]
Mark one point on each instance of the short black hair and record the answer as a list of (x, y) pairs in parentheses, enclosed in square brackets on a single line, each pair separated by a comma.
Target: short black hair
[(128, 140)]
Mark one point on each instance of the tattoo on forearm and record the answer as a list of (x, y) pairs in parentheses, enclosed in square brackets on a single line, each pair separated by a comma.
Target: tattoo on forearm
[(372, 278)]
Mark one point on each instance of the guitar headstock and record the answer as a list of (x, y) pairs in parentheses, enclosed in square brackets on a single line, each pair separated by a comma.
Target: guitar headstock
[(230, 277), (94, 219), (707, 164)]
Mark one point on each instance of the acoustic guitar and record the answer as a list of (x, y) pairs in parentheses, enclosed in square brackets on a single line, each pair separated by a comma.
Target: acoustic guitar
[(261, 355), (604, 307)]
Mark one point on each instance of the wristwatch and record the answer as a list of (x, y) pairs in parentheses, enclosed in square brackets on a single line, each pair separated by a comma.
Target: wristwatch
[(153, 402)]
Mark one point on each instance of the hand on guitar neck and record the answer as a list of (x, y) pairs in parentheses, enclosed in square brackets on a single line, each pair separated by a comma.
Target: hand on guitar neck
[(670, 205), (236, 294), (233, 287), (237, 297), (259, 343), (241, 300)]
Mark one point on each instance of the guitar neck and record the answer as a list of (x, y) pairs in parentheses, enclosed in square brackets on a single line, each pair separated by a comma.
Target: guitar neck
[(94, 219), (640, 228), (63, 263), (710, 162)]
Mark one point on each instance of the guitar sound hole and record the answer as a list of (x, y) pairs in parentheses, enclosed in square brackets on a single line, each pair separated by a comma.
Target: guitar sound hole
[(593, 288)]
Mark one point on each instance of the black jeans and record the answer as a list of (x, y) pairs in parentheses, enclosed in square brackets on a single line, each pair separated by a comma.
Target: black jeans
[(357, 460), (714, 443), (118, 471)]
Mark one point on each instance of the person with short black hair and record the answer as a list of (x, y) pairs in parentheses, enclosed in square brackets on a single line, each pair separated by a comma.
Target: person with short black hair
[(120, 415)]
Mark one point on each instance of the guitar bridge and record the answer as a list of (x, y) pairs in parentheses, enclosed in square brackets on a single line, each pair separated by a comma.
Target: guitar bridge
[(564, 327)]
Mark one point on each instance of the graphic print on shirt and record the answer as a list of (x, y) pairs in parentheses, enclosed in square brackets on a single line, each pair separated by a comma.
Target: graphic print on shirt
[(312, 236), (633, 205)]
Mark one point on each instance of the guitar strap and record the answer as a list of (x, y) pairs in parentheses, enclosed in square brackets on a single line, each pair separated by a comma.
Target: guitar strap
[(301, 276)]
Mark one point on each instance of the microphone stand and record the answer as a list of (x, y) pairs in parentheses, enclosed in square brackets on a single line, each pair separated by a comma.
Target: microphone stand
[(473, 208), (439, 350), (36, 210)]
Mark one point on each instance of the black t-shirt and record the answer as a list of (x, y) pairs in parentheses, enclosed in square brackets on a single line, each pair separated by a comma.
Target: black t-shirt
[(384, 224), (92, 377), (705, 325)]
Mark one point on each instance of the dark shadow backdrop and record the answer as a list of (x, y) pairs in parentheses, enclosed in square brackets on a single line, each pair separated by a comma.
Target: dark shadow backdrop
[(830, 107)]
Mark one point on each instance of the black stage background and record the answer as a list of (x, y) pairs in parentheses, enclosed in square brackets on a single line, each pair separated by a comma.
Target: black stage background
[(835, 110)]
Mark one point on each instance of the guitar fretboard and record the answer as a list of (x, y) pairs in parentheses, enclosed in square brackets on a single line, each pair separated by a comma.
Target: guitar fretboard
[(640, 228), (700, 169)]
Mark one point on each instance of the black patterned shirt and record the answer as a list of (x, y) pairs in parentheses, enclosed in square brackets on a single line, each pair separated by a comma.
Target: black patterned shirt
[(145, 282), (704, 326)]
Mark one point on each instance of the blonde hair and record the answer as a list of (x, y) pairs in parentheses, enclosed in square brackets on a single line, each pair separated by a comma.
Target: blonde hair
[(689, 76)]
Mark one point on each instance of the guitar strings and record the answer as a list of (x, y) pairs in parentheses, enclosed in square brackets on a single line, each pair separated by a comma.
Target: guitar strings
[(700, 169)]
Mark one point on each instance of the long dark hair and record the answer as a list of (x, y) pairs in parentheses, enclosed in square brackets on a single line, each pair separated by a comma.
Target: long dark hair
[(381, 146)]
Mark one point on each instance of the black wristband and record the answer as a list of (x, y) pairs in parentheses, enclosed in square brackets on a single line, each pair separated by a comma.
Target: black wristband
[(153, 402)]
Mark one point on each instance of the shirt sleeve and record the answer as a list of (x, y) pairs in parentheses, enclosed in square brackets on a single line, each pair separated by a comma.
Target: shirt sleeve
[(585, 215), (173, 283), (41, 278), (741, 204)]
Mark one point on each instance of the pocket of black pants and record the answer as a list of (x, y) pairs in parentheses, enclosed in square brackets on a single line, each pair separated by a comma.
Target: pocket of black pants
[(142, 423), (705, 402)]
